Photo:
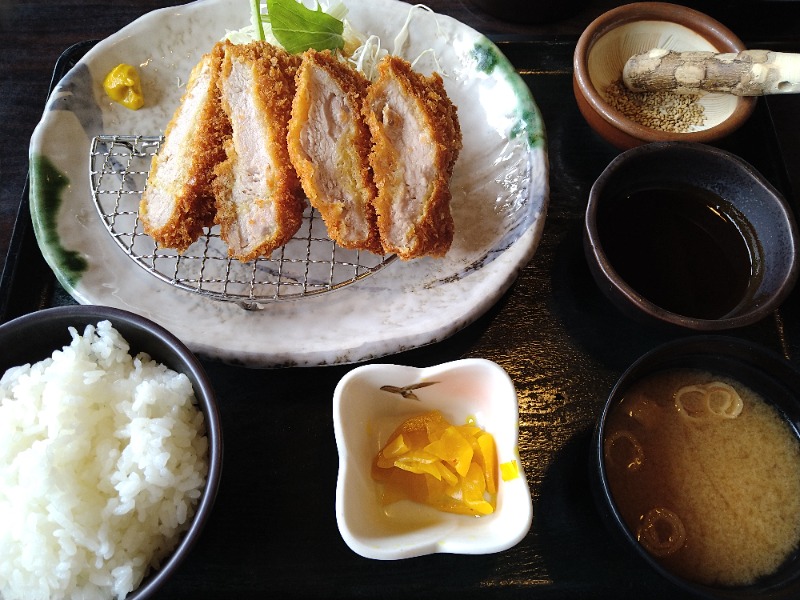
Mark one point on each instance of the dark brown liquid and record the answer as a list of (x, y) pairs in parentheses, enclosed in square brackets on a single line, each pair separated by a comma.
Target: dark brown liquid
[(682, 249)]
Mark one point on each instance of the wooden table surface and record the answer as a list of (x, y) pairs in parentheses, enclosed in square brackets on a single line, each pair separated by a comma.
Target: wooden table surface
[(551, 331)]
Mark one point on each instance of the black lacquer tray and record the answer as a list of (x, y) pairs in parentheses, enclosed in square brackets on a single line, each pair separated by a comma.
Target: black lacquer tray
[(273, 531)]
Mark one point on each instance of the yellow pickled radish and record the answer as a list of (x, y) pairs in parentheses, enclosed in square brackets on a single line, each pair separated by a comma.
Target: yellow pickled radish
[(448, 476), (472, 489), (403, 485), (452, 468), (469, 431), (397, 447), (487, 459), (454, 448), (509, 470), (418, 461)]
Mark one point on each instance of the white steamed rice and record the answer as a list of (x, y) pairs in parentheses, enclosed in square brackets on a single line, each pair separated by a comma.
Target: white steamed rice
[(102, 460)]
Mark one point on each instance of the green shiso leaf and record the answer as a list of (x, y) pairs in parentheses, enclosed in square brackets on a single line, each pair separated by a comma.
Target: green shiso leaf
[(298, 28)]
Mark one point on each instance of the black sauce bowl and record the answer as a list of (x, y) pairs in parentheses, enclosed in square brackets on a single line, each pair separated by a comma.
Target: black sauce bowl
[(34, 336), (775, 379), (771, 228)]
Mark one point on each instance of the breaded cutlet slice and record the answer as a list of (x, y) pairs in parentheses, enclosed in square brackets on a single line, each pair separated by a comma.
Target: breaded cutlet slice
[(329, 145), (259, 198), (178, 200), (416, 141)]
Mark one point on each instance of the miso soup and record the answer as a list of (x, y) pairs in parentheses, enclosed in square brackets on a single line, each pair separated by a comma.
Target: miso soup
[(706, 475)]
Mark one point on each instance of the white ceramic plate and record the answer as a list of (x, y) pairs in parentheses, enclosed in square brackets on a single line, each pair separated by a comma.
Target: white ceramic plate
[(364, 416), (500, 193)]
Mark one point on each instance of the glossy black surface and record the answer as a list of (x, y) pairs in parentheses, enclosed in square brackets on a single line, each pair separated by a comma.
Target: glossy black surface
[(273, 530), (763, 214)]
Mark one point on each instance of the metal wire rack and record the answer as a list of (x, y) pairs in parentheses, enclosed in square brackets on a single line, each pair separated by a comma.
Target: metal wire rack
[(309, 264)]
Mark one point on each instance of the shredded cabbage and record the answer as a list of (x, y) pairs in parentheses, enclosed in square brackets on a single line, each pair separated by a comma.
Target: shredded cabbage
[(366, 57)]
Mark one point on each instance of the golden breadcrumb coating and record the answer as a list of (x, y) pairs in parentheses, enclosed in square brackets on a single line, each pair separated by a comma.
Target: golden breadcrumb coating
[(417, 139), (259, 199), (329, 145), (178, 200)]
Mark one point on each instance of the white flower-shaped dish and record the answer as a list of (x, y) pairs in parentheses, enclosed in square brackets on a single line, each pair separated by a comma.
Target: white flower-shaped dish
[(363, 418), (499, 185)]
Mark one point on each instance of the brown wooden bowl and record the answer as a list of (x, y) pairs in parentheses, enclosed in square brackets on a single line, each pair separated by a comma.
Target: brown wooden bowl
[(611, 39)]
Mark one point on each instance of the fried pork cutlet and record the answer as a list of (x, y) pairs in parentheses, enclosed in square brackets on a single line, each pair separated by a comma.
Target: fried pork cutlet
[(329, 144), (417, 140), (259, 198), (178, 200)]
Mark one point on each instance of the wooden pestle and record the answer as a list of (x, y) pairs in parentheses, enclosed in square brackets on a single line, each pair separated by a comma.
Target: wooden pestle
[(746, 73)]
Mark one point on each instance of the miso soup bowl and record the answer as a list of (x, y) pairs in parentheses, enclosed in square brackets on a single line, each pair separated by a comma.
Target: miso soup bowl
[(767, 223), (775, 379)]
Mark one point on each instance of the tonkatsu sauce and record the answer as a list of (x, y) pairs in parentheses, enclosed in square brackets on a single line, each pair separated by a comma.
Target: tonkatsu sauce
[(686, 250)]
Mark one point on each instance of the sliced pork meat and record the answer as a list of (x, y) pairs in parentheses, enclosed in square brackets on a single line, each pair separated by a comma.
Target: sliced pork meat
[(258, 195), (329, 144), (178, 200), (416, 141)]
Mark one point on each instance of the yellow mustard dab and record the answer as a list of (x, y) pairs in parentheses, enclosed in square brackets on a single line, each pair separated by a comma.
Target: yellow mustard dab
[(122, 84), (452, 468)]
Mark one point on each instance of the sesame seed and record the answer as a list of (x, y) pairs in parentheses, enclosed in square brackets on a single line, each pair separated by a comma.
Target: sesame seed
[(664, 111)]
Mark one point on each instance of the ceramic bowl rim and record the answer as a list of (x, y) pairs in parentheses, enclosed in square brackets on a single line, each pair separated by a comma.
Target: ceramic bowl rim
[(205, 395), (639, 11), (645, 306), (601, 491)]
